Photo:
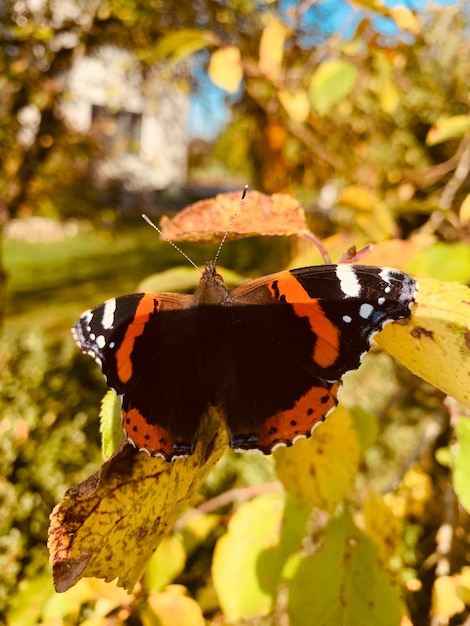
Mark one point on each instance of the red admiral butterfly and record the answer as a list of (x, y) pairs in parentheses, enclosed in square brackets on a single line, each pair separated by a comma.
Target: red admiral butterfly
[(271, 352)]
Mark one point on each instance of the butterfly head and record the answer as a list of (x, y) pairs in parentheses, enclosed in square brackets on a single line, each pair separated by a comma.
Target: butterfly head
[(211, 288)]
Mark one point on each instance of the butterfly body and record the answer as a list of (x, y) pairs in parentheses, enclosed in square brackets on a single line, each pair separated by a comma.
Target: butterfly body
[(270, 353)]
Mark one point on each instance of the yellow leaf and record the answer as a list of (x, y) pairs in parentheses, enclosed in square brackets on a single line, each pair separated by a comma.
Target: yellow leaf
[(261, 536), (225, 68), (412, 497), (463, 588), (382, 526), (174, 608), (445, 601), (435, 342), (448, 128), (296, 103), (389, 96), (464, 212), (167, 562), (253, 534), (374, 5), (271, 48), (363, 201), (357, 197), (406, 19), (111, 524), (321, 470)]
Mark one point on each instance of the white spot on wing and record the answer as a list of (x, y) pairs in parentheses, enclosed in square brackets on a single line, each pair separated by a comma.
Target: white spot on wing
[(385, 274), (348, 280), (108, 314), (100, 341), (347, 319), (366, 310)]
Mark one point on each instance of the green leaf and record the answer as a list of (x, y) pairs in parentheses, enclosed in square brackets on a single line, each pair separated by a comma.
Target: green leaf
[(261, 536), (110, 423), (366, 427), (30, 597), (331, 82), (443, 261), (342, 583), (461, 462), (180, 44)]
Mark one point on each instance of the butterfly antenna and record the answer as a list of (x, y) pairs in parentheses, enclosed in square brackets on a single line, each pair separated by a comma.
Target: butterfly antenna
[(159, 231), (229, 228)]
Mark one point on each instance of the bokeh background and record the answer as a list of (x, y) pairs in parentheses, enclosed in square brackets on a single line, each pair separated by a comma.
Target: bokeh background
[(111, 108)]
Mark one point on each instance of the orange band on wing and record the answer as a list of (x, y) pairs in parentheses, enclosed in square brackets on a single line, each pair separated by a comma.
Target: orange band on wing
[(326, 349), (285, 427), (147, 306)]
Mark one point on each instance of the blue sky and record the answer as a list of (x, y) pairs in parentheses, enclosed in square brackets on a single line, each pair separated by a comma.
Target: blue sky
[(210, 106)]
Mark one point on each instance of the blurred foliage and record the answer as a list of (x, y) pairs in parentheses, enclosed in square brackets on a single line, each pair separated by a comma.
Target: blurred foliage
[(370, 133), (383, 117), (49, 426)]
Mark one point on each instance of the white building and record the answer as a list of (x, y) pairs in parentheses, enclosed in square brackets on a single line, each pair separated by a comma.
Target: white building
[(144, 119)]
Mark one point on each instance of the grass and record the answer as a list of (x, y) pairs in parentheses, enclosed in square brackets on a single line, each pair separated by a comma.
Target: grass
[(51, 283)]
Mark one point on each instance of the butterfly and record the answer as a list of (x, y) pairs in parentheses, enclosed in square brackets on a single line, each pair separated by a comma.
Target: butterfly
[(270, 353)]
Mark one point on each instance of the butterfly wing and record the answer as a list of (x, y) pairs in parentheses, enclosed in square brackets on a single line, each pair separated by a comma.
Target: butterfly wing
[(294, 335), (144, 345)]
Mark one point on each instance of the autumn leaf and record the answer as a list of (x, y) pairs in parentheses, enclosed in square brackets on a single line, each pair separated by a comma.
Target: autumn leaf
[(323, 469), (225, 68), (435, 342), (208, 220), (110, 525)]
